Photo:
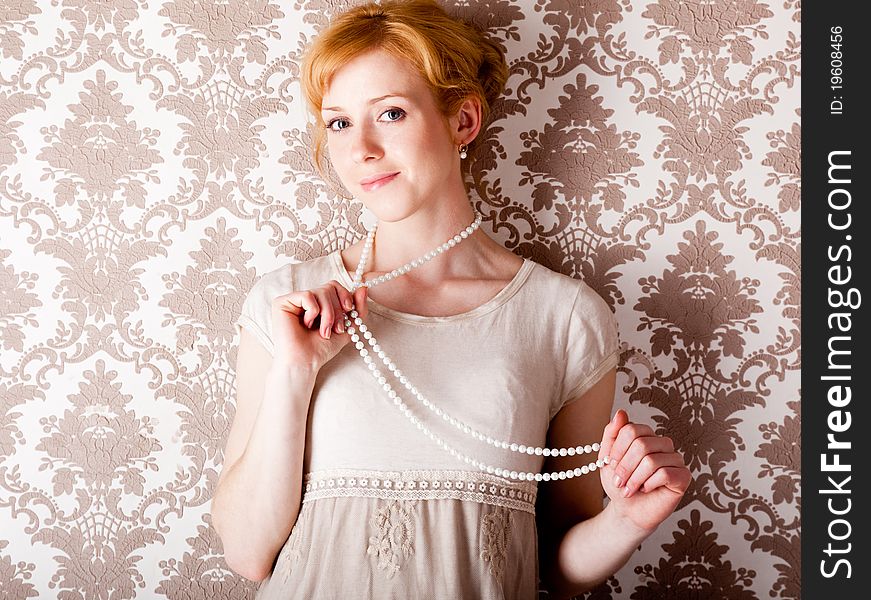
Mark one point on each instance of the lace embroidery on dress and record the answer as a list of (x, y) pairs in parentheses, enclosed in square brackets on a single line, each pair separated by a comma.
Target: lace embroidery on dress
[(291, 553), (394, 535), (496, 535), (471, 486)]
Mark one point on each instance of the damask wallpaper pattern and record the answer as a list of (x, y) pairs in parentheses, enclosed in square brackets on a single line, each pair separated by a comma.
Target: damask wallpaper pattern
[(154, 162)]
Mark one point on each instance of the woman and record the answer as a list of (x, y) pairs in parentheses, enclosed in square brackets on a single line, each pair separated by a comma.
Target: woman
[(343, 484)]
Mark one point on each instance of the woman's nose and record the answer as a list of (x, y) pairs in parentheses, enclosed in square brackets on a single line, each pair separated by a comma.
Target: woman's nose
[(365, 144)]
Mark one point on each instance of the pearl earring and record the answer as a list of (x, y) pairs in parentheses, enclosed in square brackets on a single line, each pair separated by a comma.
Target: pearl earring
[(463, 153)]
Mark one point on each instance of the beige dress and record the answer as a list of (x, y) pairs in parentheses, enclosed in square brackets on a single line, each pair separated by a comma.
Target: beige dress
[(387, 513)]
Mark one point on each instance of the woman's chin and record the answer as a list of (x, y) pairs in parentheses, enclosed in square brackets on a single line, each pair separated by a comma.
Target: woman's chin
[(388, 210)]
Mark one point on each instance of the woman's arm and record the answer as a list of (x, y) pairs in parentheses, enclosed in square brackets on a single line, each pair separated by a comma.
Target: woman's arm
[(257, 498), (588, 553), (581, 543), (570, 513)]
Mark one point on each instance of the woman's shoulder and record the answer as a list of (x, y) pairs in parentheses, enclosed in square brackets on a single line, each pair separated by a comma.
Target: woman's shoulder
[(295, 275), (567, 295), (555, 282)]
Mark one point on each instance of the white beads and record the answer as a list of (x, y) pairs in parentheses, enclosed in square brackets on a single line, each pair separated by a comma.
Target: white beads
[(370, 238), (526, 476), (377, 351)]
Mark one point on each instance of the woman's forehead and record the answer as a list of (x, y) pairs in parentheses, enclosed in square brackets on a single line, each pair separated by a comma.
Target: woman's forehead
[(372, 75)]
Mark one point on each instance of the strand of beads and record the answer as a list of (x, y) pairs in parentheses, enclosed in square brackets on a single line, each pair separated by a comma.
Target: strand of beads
[(358, 282), (521, 448), (367, 248), (397, 401)]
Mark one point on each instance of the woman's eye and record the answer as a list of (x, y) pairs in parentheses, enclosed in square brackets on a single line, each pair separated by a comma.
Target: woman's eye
[(397, 111), (397, 114), (330, 124)]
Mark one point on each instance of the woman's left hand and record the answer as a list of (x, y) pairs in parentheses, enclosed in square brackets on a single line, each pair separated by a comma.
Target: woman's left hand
[(652, 476)]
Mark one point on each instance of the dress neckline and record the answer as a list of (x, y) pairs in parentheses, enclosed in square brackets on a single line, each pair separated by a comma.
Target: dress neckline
[(495, 302)]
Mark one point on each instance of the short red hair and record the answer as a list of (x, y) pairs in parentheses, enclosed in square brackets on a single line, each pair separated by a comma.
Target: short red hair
[(454, 57)]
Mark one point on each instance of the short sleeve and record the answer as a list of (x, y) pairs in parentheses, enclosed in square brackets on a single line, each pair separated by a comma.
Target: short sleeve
[(256, 312), (592, 345)]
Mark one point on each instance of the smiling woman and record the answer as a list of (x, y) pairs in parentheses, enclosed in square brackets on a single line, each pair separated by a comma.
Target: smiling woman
[(333, 486), (451, 59), (398, 139)]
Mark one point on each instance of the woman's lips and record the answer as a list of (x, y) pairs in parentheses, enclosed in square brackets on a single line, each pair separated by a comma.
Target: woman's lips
[(378, 183)]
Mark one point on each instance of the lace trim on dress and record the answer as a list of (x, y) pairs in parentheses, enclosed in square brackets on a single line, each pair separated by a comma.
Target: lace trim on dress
[(421, 485), (496, 535), (292, 551), (393, 541)]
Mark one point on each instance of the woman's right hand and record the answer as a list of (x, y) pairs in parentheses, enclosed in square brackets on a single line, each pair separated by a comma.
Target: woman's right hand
[(308, 327)]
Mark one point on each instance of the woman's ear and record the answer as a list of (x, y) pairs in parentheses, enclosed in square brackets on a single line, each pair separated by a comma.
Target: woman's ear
[(466, 123)]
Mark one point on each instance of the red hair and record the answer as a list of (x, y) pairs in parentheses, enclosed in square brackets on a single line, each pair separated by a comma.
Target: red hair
[(453, 56)]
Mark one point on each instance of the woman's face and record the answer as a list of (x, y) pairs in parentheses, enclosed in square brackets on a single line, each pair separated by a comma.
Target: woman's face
[(382, 120)]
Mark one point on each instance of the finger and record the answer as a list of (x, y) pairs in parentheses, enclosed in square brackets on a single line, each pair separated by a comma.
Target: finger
[(360, 295), (338, 325), (647, 467), (639, 447), (347, 301), (332, 294), (627, 434), (299, 303), (329, 302), (609, 435), (676, 478)]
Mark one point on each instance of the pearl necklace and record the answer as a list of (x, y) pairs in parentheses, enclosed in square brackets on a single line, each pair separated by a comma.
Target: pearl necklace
[(397, 401)]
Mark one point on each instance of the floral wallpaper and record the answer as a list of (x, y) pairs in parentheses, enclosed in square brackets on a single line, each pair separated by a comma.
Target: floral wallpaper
[(154, 162)]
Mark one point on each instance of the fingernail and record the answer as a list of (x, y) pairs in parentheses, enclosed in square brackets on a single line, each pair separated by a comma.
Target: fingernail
[(627, 492), (617, 481), (349, 305)]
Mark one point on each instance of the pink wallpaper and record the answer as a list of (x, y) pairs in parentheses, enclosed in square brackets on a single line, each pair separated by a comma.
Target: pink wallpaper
[(154, 162)]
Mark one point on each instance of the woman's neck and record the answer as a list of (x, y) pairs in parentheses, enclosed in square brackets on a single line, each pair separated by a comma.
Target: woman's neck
[(420, 232), (397, 243)]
